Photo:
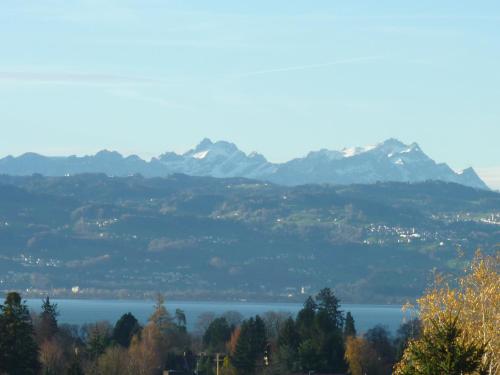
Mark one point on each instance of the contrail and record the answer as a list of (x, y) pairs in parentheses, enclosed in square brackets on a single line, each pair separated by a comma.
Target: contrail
[(311, 66), (70, 78)]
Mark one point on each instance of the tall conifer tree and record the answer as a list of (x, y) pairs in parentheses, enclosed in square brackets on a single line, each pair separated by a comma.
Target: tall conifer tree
[(349, 326), (18, 349)]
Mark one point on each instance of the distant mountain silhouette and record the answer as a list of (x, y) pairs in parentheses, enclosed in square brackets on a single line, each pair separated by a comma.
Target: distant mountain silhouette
[(390, 160)]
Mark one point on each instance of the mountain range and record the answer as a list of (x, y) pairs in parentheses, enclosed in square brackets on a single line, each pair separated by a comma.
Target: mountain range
[(391, 160)]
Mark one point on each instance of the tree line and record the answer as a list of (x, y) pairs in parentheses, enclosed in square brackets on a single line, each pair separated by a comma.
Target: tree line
[(456, 332)]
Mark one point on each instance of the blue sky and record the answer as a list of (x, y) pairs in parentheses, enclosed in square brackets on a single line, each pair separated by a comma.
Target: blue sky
[(277, 77)]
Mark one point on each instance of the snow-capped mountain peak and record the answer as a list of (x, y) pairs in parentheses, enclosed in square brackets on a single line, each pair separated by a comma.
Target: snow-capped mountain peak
[(207, 147), (204, 144), (391, 160), (389, 147), (354, 151), (201, 154), (325, 154)]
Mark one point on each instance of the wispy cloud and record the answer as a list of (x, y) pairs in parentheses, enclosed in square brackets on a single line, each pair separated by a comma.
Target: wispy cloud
[(135, 95), (216, 43), (354, 60), (70, 78)]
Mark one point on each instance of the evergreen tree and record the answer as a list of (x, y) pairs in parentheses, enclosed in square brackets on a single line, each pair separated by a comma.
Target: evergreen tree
[(259, 340), (288, 345), (250, 346), (305, 318), (443, 351), (48, 320), (329, 342), (180, 318), (18, 349), (319, 325), (217, 334), (349, 327), (243, 358), (309, 357), (331, 305), (97, 342), (289, 336), (125, 328)]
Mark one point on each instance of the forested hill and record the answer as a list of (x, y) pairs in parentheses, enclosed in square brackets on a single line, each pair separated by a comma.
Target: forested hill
[(203, 237)]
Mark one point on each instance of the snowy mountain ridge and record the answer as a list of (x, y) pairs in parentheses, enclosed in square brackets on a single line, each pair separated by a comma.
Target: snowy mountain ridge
[(391, 160)]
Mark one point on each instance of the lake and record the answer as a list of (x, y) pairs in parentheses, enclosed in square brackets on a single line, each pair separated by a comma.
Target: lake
[(79, 311)]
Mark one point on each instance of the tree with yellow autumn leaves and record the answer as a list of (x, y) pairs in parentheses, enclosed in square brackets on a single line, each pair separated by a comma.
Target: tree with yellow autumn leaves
[(460, 321)]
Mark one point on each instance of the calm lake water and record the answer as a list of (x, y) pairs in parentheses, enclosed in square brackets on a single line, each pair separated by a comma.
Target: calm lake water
[(75, 311)]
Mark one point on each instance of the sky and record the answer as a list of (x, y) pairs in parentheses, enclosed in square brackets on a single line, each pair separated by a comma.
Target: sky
[(280, 77)]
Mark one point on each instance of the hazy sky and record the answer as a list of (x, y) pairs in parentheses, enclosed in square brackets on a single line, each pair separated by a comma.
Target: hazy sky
[(278, 77)]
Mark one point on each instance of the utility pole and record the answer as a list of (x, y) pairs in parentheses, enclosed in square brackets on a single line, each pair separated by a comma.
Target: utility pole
[(198, 357), (218, 359)]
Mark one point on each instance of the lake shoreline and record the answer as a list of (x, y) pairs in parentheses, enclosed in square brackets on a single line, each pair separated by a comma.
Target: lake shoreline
[(81, 311), (182, 297)]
